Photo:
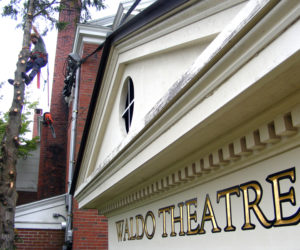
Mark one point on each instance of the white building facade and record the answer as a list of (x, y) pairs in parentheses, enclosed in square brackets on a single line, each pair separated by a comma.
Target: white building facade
[(193, 132)]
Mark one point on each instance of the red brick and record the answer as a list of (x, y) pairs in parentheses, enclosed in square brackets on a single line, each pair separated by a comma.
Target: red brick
[(90, 229), (40, 239), (53, 161)]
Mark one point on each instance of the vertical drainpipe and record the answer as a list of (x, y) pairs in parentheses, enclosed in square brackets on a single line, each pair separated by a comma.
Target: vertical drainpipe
[(69, 231)]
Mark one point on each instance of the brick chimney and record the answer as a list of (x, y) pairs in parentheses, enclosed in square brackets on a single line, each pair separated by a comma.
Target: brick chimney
[(36, 120), (52, 168)]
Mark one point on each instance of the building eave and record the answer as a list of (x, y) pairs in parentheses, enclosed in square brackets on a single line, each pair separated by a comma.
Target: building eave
[(89, 33), (39, 214)]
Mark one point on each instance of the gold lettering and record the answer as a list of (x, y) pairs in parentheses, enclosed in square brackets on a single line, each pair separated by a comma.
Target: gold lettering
[(163, 211), (279, 198), (150, 236), (255, 186), (209, 216), (132, 237), (191, 217), (177, 219), (249, 190), (119, 225), (141, 218), (126, 231), (227, 193)]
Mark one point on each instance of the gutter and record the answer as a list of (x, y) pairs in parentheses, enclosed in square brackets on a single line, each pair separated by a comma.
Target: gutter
[(154, 11)]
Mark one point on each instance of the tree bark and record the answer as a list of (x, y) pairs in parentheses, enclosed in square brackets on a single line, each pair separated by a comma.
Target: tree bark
[(10, 143)]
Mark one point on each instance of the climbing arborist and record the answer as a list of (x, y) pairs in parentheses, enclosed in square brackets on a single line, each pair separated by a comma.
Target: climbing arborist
[(38, 57)]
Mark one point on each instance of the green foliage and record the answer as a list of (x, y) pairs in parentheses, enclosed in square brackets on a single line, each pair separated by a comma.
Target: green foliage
[(61, 25), (3, 124), (86, 4), (46, 11), (26, 145), (10, 11)]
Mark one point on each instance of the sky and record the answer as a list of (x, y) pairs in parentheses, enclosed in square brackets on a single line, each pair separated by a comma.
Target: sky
[(10, 47)]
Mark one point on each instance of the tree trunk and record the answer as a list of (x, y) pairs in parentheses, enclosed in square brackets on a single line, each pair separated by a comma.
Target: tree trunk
[(10, 143)]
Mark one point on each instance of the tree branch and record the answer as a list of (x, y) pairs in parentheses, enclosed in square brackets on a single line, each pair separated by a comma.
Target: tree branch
[(44, 9)]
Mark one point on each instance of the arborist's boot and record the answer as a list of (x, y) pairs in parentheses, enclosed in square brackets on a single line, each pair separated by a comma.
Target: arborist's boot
[(11, 81), (29, 78), (26, 78)]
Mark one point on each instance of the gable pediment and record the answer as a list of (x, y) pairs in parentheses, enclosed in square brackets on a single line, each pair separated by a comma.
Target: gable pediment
[(190, 78), (155, 59)]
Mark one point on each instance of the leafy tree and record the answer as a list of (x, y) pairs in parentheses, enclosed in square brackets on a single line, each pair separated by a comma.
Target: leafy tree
[(26, 145), (28, 11)]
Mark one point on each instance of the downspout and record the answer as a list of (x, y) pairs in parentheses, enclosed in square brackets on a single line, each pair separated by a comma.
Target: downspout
[(69, 197)]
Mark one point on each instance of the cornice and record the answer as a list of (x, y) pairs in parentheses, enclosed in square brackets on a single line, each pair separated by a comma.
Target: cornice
[(256, 145), (41, 205), (89, 33)]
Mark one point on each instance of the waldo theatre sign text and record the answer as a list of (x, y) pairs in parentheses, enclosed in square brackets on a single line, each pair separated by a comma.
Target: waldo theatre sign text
[(140, 226)]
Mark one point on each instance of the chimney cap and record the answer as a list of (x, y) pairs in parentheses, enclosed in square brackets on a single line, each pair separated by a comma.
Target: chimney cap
[(38, 111)]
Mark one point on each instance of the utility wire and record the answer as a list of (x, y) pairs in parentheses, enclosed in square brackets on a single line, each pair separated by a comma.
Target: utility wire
[(129, 11)]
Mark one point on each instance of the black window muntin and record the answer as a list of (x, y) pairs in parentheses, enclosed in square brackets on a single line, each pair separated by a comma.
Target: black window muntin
[(129, 104)]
